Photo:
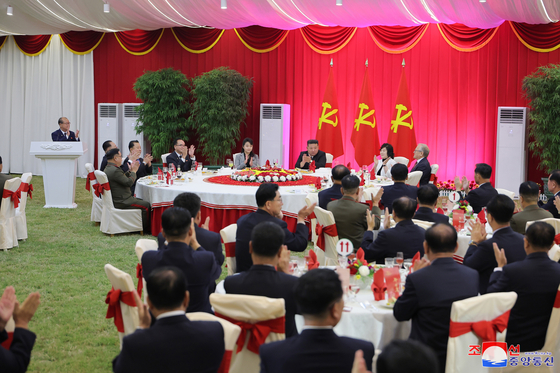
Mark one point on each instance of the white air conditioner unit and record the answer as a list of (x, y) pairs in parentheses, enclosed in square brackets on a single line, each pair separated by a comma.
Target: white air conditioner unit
[(274, 144), (128, 131), (510, 148), (108, 126)]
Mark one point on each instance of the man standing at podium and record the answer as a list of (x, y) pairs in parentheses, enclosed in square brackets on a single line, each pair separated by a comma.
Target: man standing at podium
[(64, 133)]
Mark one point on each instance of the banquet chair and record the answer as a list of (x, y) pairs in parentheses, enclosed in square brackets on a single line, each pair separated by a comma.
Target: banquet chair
[(231, 334), (414, 178), (234, 155), (401, 160), (552, 221), (96, 202), (508, 193), (554, 253), (9, 328), (433, 177), (122, 281), (369, 193), (422, 223), (324, 219), (482, 308), (115, 220), (143, 245), (250, 312), (329, 157), (310, 199), (164, 159), (228, 235), (21, 218), (8, 231)]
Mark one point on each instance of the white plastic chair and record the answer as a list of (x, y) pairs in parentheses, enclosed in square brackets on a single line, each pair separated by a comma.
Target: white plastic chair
[(414, 178), (552, 221), (310, 199), (554, 253), (329, 160), (21, 218), (422, 223), (143, 245), (164, 159), (228, 235), (435, 168), (402, 160), (508, 193), (326, 218), (113, 220), (8, 231), (369, 193), (96, 202)]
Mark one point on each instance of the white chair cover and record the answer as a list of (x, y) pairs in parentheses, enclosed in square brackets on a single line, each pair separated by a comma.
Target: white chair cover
[(554, 253), (309, 200), (8, 231), (114, 220), (329, 158), (414, 178), (486, 307), (164, 159), (228, 235), (21, 218), (326, 218), (122, 281), (402, 160), (552, 221), (435, 168), (143, 245), (96, 203), (234, 155), (250, 309), (508, 193), (422, 223)]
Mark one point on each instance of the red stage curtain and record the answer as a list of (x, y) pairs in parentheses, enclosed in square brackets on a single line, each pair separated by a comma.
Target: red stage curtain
[(261, 39), (138, 42), (3, 41), (197, 40), (327, 40), (464, 38), (32, 45), (397, 39), (538, 38), (81, 42)]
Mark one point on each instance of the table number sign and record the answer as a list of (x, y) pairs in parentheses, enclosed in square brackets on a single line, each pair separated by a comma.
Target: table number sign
[(344, 247), (454, 197)]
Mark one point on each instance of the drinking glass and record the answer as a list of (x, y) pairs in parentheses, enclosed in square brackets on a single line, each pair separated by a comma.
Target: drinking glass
[(389, 262), (230, 163), (301, 263), (353, 289), (407, 264), (399, 259), (342, 261)]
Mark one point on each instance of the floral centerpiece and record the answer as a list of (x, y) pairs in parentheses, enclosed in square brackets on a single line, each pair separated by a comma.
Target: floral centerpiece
[(449, 186), (464, 205), (266, 174)]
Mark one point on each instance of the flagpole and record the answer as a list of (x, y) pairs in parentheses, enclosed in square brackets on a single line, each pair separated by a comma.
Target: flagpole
[(366, 62), (403, 62), (331, 62)]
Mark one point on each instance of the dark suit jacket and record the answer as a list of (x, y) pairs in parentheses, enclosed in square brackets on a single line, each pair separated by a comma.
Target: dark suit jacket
[(330, 194), (427, 214), (314, 351), (3, 179), (549, 206), (535, 280), (482, 257), (479, 197), (208, 240), (173, 158), (143, 170), (173, 344), (424, 166), (200, 268), (58, 135), (295, 241), (351, 220), (320, 160), (395, 191), (103, 163), (427, 299), (531, 213), (405, 236), (265, 281), (16, 359)]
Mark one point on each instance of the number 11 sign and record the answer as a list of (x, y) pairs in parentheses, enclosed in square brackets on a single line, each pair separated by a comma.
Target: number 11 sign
[(344, 247)]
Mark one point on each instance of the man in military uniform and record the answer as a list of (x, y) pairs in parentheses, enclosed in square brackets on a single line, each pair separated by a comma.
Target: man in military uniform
[(120, 183)]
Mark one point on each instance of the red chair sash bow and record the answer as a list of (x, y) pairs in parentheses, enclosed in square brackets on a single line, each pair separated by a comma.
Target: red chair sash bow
[(230, 249), (27, 188), (312, 216), (114, 299), (139, 276), (90, 177), (557, 239), (321, 230), (259, 331), (15, 196), (557, 300), (484, 329), (99, 188)]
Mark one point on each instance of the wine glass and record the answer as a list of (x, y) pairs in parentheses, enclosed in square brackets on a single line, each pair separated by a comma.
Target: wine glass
[(399, 259), (353, 289), (407, 264), (230, 163)]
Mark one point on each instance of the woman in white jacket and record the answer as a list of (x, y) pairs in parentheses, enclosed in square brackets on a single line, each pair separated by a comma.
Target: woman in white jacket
[(383, 166)]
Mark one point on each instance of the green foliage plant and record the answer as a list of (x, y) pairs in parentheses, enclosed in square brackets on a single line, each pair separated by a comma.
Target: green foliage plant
[(221, 97), (162, 113), (542, 89)]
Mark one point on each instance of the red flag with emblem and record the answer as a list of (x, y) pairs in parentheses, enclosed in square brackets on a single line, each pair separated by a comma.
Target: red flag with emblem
[(364, 134), (401, 133), (329, 133)]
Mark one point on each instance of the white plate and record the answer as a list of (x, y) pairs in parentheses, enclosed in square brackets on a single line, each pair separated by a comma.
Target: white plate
[(383, 304)]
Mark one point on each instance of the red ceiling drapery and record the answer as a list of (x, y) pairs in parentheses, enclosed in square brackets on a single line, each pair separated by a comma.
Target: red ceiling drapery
[(261, 39), (81, 42), (396, 39), (327, 40), (139, 42), (539, 38), (464, 38), (197, 40), (32, 45)]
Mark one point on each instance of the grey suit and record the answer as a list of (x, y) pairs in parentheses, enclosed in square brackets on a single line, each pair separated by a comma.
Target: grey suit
[(519, 221), (239, 161)]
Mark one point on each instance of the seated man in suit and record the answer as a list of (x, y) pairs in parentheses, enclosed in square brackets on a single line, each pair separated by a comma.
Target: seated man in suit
[(269, 202), (528, 197), (64, 133), (406, 237), (479, 197), (422, 164), (173, 343), (145, 164), (107, 145), (311, 154), (427, 197), (200, 267), (433, 287), (406, 356), (399, 173), (350, 215), (268, 276), (18, 356), (182, 157), (480, 254), (553, 187), (317, 349), (120, 183), (333, 193), (535, 280)]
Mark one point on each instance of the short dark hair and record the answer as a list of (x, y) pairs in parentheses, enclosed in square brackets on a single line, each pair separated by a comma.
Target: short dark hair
[(428, 194), (441, 238), (404, 207), (267, 239), (188, 201), (61, 120), (167, 287), (131, 144), (317, 291), (339, 171), (312, 141), (484, 170), (540, 235), (407, 356), (399, 172), (350, 183), (176, 139), (106, 145), (266, 192), (529, 190), (247, 139), (111, 153), (176, 222), (390, 150), (555, 176), (501, 208)]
